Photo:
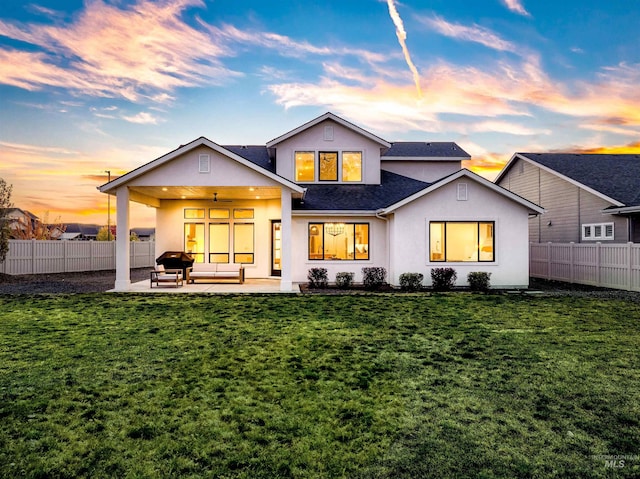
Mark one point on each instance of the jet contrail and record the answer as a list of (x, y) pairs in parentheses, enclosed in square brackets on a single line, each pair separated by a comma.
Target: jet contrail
[(402, 36)]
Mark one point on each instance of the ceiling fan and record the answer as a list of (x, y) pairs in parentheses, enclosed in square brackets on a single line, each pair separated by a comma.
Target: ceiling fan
[(216, 200)]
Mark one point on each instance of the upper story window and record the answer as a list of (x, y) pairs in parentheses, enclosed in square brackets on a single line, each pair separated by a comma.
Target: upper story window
[(352, 166), (597, 231), (343, 166), (305, 166), (328, 169)]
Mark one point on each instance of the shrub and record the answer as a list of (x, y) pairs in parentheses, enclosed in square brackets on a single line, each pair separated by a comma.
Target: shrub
[(479, 281), (443, 279), (344, 280), (373, 278), (411, 281), (318, 278)]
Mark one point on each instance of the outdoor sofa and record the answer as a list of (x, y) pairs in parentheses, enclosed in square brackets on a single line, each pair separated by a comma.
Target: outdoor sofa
[(215, 272)]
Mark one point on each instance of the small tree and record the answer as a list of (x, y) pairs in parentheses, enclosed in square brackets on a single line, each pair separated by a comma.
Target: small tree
[(104, 234), (5, 231)]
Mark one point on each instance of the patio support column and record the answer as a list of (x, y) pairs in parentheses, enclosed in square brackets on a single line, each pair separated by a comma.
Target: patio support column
[(286, 283), (123, 262)]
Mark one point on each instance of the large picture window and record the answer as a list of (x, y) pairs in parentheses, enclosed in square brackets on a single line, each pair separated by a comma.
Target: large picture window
[(338, 241), (194, 240), (461, 241)]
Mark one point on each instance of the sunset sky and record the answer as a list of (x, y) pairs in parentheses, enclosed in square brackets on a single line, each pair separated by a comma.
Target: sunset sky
[(112, 84)]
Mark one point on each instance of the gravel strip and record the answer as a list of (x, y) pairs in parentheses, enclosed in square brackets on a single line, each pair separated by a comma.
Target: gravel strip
[(85, 282)]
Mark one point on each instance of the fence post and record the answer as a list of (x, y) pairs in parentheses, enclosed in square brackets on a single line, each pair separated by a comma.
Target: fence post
[(598, 263), (629, 269), (571, 258), (549, 260), (33, 256)]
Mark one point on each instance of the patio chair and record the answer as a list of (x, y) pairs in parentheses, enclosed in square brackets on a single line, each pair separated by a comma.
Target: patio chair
[(160, 275)]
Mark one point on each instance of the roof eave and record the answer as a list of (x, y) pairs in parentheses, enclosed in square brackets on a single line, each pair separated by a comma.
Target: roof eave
[(127, 177)]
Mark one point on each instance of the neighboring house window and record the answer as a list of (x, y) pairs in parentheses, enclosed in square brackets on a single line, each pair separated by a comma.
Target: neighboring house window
[(218, 242), (243, 243), (328, 166), (598, 231), (338, 241), (305, 166), (194, 240), (461, 241), (352, 166)]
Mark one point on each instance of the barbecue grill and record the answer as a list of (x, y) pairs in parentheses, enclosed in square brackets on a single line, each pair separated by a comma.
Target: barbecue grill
[(175, 260)]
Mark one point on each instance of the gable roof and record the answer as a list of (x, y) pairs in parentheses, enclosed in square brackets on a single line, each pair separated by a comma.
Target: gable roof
[(533, 208), (202, 141), (337, 197), (616, 178), (445, 150), (320, 119)]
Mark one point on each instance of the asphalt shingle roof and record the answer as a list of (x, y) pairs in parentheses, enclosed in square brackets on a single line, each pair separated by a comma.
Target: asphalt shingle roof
[(392, 189), (617, 176), (255, 154), (438, 149)]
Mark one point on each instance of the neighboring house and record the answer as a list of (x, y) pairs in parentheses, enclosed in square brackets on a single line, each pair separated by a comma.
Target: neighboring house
[(144, 234), (587, 197), (20, 221), (328, 194), (80, 232)]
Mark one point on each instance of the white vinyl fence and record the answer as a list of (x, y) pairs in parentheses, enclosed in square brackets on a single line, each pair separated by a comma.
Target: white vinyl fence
[(607, 265), (41, 257)]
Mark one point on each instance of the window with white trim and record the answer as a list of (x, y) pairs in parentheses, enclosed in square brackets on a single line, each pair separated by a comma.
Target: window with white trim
[(598, 231)]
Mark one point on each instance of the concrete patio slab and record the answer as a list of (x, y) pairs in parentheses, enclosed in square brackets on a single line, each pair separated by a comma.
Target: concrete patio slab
[(249, 286)]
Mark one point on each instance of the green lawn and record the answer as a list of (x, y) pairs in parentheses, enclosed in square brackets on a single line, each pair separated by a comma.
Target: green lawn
[(366, 386)]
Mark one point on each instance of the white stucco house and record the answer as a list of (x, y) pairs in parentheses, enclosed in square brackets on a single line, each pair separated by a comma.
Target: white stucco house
[(328, 194)]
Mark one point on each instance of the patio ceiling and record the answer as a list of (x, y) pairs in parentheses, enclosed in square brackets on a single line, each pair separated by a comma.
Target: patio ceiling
[(207, 192)]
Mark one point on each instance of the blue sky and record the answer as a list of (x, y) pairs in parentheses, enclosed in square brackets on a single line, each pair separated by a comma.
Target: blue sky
[(110, 85)]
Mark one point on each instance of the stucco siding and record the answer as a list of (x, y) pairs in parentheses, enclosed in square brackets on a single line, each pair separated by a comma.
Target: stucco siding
[(170, 229), (411, 223), (344, 139), (428, 171), (300, 254), (184, 171)]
